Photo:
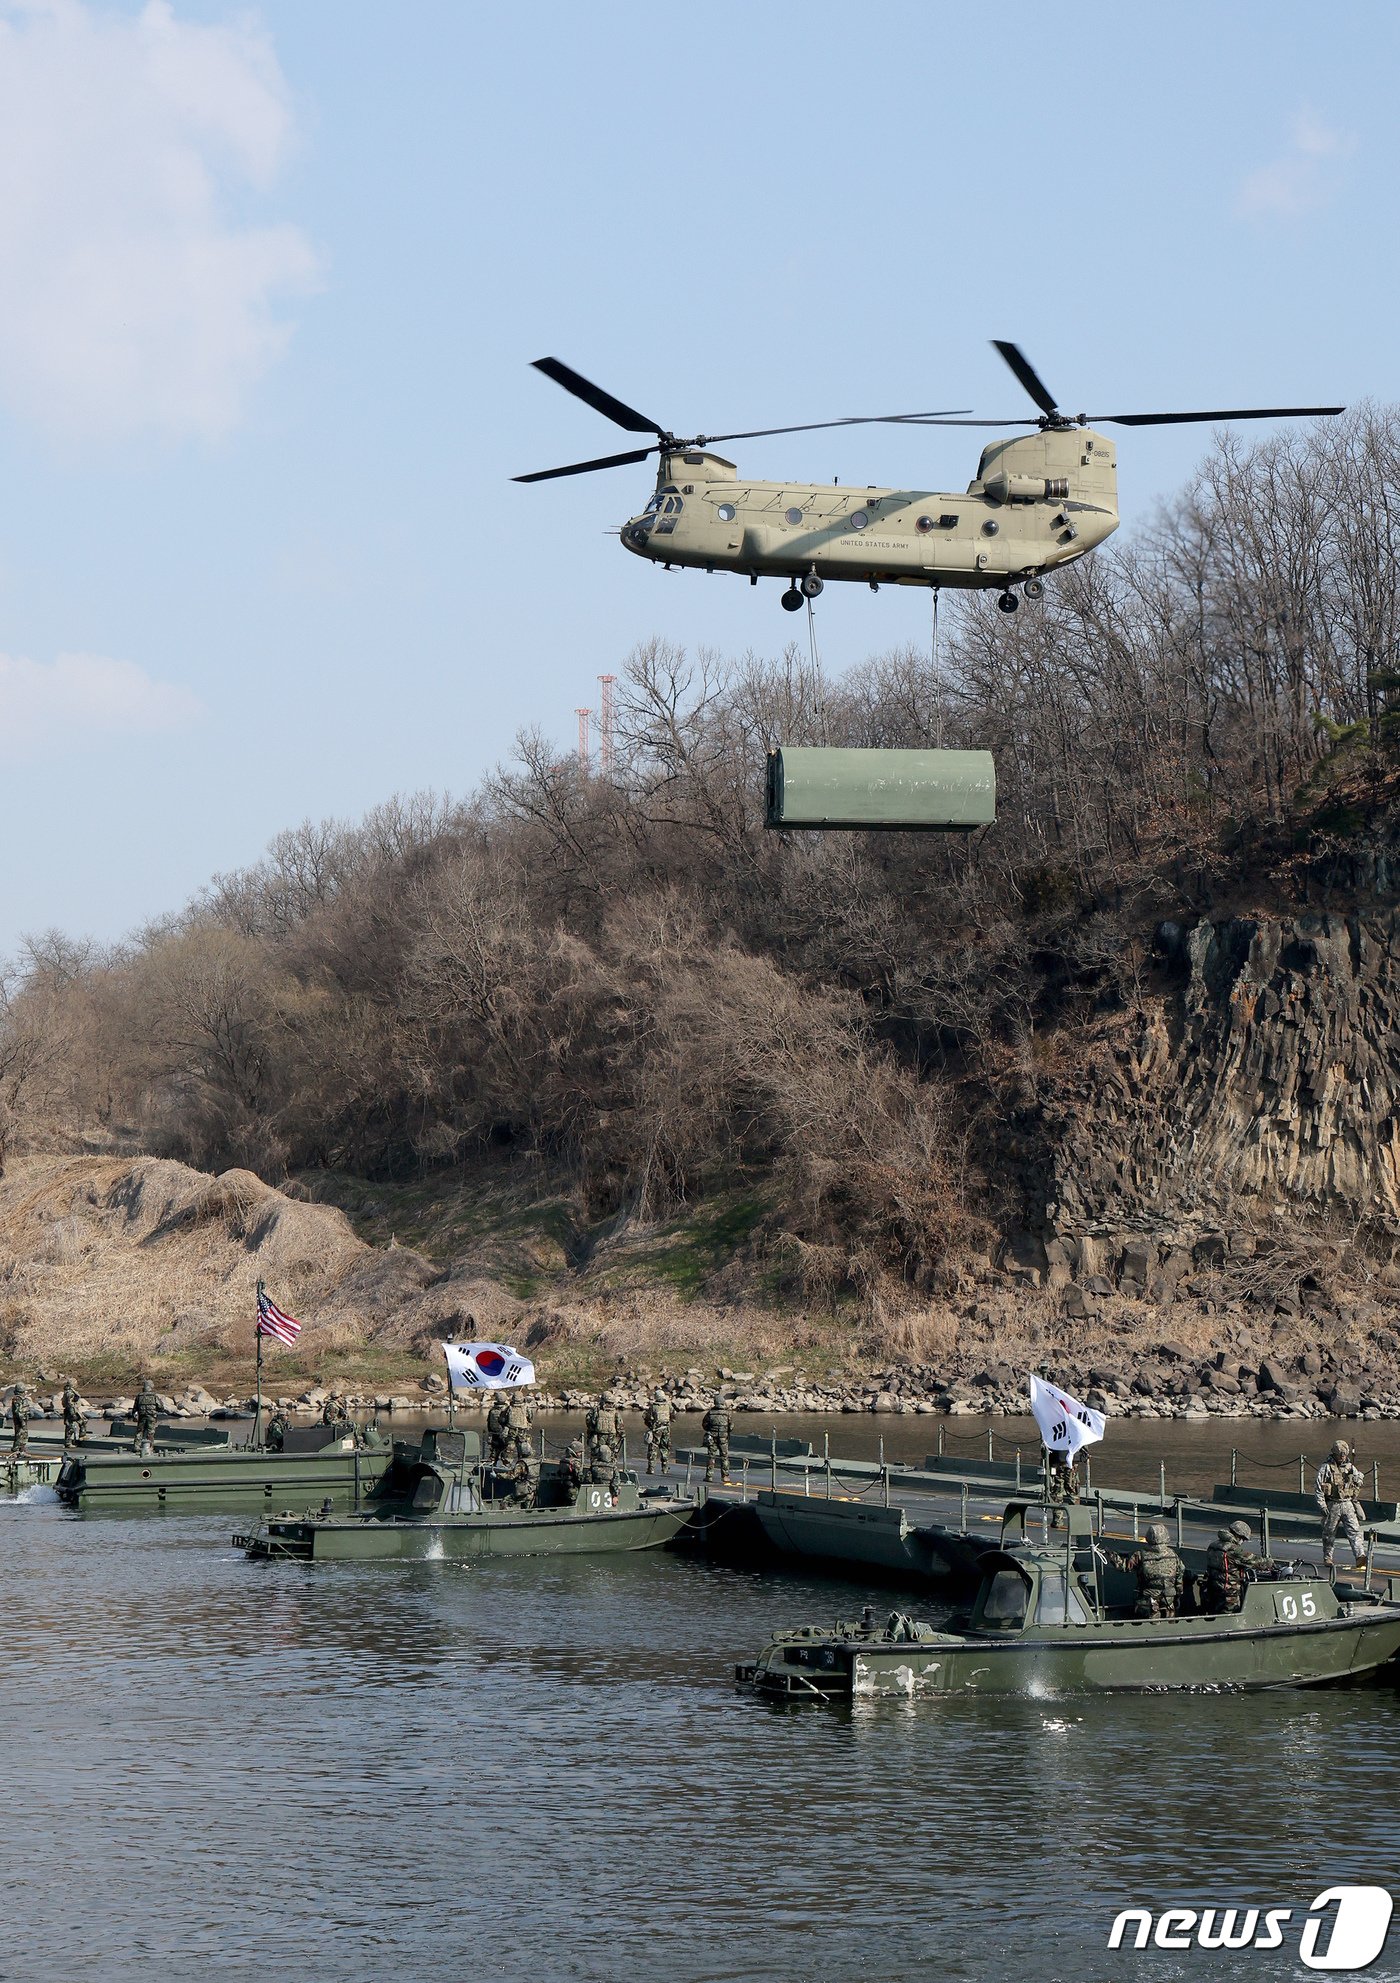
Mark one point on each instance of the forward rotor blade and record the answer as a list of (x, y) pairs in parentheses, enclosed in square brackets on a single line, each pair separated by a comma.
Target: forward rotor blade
[(587, 467), (1229, 413), (1027, 375), (814, 426), (616, 410), (938, 420)]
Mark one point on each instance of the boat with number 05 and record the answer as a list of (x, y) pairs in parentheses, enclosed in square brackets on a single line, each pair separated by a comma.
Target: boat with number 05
[(1039, 1625)]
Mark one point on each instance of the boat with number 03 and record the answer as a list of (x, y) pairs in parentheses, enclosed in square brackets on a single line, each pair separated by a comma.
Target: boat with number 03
[(1039, 1625)]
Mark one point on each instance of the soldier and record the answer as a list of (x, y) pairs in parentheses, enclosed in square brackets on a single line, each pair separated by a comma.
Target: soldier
[(1061, 1478), (336, 1412), (1160, 1574), (604, 1423), (571, 1467), (19, 1419), (603, 1468), (520, 1413), (523, 1472), (715, 1426), (498, 1428), (657, 1420), (145, 1411), (1339, 1487), (1230, 1562), (277, 1431), (74, 1424)]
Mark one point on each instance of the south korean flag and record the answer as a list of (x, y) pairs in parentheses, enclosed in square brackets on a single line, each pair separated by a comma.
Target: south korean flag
[(1065, 1424), (486, 1367)]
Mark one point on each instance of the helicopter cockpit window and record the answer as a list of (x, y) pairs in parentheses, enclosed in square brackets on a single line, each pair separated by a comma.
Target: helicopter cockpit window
[(653, 504)]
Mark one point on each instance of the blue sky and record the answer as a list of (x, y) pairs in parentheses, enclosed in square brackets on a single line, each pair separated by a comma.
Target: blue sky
[(270, 283)]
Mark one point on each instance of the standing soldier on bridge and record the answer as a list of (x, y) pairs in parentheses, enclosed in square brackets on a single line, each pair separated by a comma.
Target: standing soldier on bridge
[(657, 1420), (145, 1411), (1339, 1487), (715, 1425), (19, 1419), (74, 1425)]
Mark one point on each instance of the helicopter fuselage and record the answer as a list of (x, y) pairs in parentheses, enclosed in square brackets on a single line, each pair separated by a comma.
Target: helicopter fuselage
[(1037, 502)]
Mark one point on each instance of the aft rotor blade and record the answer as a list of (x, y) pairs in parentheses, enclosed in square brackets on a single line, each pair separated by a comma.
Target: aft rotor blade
[(587, 467), (616, 410), (1027, 375), (814, 426), (939, 420), (1227, 413)]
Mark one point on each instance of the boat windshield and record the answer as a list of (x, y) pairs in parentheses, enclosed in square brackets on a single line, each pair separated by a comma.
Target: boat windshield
[(1004, 1601), (1057, 1606)]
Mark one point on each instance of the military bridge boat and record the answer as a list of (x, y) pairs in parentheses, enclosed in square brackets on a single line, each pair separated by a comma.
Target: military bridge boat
[(320, 1462), (436, 1500), (1039, 1624)]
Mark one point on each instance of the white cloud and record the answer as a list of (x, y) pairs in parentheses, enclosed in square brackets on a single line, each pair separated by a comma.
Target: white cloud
[(135, 292), (82, 697), (1306, 178)]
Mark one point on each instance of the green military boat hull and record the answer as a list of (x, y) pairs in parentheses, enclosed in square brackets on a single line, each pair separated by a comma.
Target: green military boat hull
[(437, 1501), (492, 1532), (1040, 1626), (231, 1478)]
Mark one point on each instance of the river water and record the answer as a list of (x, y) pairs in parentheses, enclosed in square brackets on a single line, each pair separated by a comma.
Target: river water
[(539, 1770)]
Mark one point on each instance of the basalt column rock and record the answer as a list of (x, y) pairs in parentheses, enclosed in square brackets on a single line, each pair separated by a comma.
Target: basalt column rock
[(1266, 1078)]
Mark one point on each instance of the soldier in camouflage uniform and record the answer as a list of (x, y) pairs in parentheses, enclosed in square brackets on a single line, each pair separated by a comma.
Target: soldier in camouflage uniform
[(19, 1419), (604, 1424), (74, 1424), (657, 1420), (1061, 1478), (571, 1467), (1160, 1574), (145, 1411), (1339, 1487), (603, 1469), (520, 1414), (1230, 1562), (715, 1426), (523, 1471), (277, 1431), (497, 1428), (335, 1412)]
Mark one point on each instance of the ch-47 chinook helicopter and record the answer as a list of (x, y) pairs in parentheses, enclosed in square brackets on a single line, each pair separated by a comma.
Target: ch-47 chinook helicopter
[(1037, 502)]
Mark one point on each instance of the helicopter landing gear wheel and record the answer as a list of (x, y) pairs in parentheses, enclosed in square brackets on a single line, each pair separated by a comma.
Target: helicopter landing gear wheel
[(792, 600), (811, 586), (1008, 602), (1032, 589)]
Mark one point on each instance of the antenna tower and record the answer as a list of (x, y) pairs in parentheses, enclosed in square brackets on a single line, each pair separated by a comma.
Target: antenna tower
[(585, 738), (606, 760)]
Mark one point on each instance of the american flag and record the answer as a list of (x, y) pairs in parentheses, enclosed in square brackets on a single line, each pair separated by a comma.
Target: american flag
[(272, 1321)]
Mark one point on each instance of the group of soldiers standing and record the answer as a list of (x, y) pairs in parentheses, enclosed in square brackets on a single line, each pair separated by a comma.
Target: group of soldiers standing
[(599, 1457), (74, 1418)]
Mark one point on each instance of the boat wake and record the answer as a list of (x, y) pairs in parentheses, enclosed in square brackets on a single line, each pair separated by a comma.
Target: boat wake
[(33, 1495)]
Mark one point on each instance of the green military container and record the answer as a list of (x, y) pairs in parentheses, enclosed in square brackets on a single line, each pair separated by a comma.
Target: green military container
[(881, 791)]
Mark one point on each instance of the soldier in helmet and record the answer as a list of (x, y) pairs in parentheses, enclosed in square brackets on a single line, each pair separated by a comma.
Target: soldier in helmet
[(277, 1431), (715, 1426), (74, 1424), (497, 1427), (145, 1412), (604, 1424), (335, 1412), (657, 1420), (603, 1469), (1230, 1563), (571, 1467), (1160, 1574), (1339, 1488), (520, 1413), (19, 1419), (522, 1470)]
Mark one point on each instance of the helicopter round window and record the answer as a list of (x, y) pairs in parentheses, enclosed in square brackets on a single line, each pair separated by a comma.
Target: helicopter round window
[(924, 523), (793, 515), (725, 512), (990, 527), (859, 519)]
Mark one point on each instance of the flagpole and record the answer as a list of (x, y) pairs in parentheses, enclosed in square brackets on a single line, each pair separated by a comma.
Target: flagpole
[(257, 1336)]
